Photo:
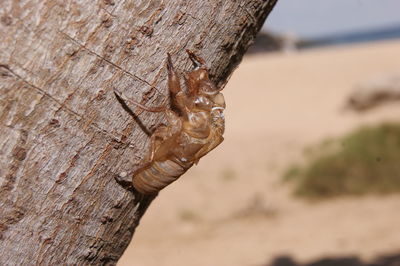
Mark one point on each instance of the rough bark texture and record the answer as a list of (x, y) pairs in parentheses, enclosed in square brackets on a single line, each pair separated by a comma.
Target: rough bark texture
[(64, 136)]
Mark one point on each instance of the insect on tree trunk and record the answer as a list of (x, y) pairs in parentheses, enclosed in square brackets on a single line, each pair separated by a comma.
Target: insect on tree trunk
[(64, 136)]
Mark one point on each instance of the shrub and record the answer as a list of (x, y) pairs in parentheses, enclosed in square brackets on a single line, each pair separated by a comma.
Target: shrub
[(365, 161)]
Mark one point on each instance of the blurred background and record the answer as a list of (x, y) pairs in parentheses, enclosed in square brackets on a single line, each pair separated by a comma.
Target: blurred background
[(309, 172)]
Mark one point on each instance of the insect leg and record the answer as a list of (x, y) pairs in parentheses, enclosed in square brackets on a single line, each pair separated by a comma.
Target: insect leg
[(160, 140), (161, 133), (155, 109), (174, 86)]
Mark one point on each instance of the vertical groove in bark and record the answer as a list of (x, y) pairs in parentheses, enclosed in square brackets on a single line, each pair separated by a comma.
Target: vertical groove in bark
[(64, 136)]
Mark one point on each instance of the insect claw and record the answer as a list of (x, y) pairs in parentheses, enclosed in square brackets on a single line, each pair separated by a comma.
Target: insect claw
[(197, 60), (117, 93), (169, 63), (124, 183), (120, 96)]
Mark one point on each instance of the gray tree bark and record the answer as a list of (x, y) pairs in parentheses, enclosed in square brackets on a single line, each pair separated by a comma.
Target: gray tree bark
[(64, 137)]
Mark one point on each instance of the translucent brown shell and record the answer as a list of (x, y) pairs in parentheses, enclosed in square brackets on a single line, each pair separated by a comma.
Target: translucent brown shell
[(195, 127)]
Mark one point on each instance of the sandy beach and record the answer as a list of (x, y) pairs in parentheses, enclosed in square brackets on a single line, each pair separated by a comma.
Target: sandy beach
[(234, 208)]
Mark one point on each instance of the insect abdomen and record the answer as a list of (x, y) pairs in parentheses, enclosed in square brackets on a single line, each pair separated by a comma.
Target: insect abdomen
[(157, 176)]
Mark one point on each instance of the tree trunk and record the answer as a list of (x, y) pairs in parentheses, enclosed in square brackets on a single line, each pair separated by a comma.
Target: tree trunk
[(64, 137)]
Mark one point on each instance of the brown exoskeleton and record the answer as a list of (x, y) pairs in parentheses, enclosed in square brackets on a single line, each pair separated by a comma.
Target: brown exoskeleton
[(195, 127)]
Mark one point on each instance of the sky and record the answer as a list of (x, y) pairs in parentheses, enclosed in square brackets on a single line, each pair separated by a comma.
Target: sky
[(320, 18)]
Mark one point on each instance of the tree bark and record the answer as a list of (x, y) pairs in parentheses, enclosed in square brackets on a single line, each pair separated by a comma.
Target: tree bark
[(64, 137)]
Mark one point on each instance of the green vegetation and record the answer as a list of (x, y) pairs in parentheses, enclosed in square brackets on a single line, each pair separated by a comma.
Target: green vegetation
[(365, 161)]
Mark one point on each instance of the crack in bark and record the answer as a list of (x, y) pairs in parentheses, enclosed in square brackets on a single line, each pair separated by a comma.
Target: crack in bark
[(61, 105), (107, 61)]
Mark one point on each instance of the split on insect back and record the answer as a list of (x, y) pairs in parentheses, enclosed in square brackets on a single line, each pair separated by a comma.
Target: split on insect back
[(195, 125)]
